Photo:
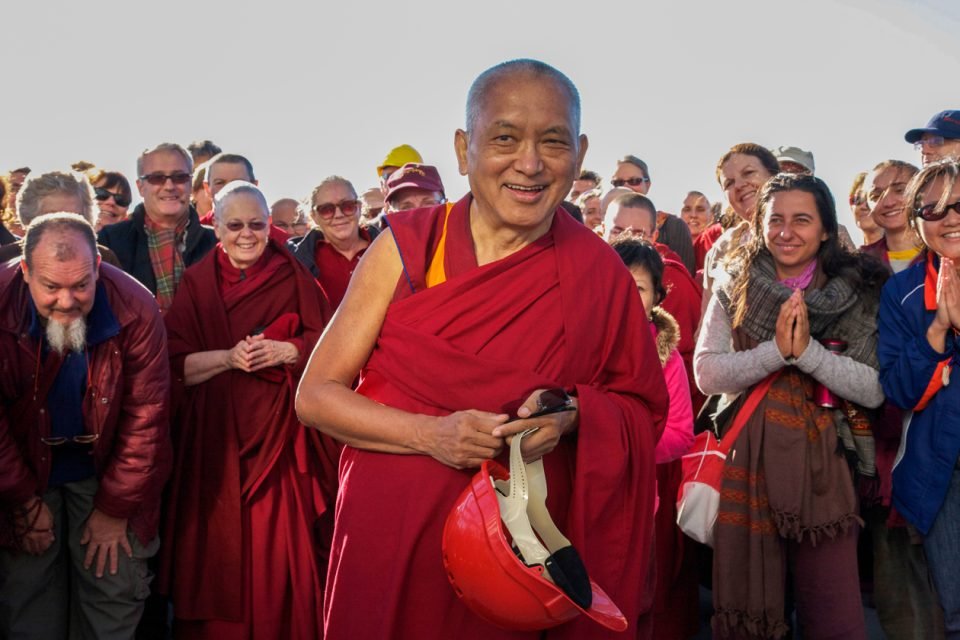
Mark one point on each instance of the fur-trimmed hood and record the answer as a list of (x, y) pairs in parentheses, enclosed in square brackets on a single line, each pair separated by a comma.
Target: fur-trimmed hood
[(667, 333)]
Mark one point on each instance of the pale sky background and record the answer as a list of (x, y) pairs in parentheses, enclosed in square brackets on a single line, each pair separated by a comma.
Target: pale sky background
[(309, 89)]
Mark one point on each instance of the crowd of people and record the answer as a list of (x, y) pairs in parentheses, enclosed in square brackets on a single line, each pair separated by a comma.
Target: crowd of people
[(221, 417)]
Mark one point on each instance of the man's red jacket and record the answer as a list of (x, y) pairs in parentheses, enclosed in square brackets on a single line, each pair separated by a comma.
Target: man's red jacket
[(127, 403)]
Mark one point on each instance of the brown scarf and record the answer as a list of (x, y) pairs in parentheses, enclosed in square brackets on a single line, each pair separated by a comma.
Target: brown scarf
[(810, 495)]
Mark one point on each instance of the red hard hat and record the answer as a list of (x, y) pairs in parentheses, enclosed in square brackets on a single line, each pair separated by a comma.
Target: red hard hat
[(493, 581)]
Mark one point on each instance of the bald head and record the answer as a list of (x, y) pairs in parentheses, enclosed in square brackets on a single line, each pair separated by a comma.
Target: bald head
[(487, 82), (284, 214)]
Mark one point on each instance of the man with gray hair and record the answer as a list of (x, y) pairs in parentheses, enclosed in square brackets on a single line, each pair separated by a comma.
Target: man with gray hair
[(163, 236), (54, 192), (84, 437)]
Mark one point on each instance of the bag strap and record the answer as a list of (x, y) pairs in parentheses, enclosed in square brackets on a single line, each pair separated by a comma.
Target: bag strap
[(746, 410)]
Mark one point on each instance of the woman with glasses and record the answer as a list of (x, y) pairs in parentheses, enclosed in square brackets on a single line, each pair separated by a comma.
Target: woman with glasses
[(885, 187), (795, 324), (918, 350), (906, 605), (332, 249), (252, 490), (112, 192)]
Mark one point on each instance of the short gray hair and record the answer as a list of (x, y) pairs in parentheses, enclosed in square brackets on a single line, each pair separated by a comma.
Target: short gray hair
[(63, 222), (67, 183), (238, 187), (487, 80), (167, 147)]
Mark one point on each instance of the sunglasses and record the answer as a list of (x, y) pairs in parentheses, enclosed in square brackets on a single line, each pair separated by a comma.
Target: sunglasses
[(238, 225), (931, 141), (102, 195), (160, 179), (56, 441), (929, 211), (327, 211), (633, 182)]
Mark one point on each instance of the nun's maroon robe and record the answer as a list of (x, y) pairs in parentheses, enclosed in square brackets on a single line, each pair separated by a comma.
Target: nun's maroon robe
[(243, 555)]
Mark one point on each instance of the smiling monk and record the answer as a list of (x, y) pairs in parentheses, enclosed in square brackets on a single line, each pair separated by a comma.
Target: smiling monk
[(459, 316)]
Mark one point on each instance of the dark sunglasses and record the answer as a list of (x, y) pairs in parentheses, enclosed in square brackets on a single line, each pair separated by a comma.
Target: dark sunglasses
[(327, 211), (237, 225), (160, 179), (102, 195), (929, 212), (633, 182)]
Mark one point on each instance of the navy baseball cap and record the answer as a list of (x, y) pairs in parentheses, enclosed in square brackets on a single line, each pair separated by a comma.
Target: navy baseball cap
[(945, 123)]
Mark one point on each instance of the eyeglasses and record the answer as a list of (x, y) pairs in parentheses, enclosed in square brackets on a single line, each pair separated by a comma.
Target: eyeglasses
[(858, 200), (930, 141), (633, 182), (929, 211), (160, 179), (102, 195), (83, 438), (238, 225), (56, 441), (327, 211)]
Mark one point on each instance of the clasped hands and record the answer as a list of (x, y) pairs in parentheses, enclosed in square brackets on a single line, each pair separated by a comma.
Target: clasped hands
[(793, 327), (948, 305), (256, 352), (465, 439)]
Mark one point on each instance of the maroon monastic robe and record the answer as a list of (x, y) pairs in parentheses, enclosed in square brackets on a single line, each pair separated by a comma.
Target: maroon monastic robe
[(560, 312), (250, 485)]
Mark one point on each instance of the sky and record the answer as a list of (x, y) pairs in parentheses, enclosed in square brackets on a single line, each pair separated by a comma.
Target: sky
[(307, 90)]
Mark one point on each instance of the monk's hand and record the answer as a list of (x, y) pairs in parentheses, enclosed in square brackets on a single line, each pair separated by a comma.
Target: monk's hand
[(784, 328), (463, 440), (550, 427), (104, 536), (33, 522), (265, 353)]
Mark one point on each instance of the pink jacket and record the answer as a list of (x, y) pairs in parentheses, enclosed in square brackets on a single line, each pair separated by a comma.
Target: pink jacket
[(677, 436)]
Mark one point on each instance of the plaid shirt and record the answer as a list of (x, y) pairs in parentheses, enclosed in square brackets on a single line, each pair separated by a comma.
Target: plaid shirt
[(166, 248)]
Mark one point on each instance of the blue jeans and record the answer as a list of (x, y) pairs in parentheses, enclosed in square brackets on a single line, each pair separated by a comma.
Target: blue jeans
[(942, 545)]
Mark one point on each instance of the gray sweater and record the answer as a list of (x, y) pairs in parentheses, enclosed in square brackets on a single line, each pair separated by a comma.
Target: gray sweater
[(718, 368)]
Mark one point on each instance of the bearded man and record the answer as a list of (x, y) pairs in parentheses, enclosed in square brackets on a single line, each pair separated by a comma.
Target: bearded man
[(84, 437)]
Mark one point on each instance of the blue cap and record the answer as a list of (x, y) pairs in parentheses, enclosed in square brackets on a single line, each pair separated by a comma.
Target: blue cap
[(945, 123)]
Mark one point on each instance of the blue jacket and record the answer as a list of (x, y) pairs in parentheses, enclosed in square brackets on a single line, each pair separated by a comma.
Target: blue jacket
[(918, 379)]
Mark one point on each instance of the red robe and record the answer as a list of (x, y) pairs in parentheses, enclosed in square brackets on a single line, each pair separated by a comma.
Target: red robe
[(485, 339), (683, 302), (704, 241), (250, 483)]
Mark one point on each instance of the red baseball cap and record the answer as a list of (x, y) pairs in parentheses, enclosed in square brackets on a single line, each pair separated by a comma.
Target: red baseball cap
[(414, 176)]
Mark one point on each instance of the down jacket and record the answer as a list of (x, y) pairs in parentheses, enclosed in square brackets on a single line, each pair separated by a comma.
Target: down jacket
[(128, 403)]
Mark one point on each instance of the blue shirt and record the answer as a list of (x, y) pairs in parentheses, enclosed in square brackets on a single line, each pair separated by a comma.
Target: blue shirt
[(73, 462)]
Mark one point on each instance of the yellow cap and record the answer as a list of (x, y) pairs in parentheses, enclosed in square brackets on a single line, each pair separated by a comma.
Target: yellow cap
[(400, 156)]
